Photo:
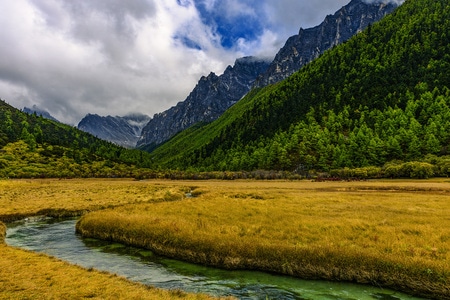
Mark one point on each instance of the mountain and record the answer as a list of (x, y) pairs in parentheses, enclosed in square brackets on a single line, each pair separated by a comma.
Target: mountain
[(214, 94), (123, 131), (381, 98), (310, 43), (209, 99), (39, 112), (32, 146)]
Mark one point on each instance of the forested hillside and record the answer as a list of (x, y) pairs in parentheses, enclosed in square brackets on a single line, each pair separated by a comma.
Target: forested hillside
[(380, 101), (32, 146)]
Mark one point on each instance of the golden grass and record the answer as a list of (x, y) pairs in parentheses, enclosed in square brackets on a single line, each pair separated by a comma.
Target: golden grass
[(391, 233), (27, 275), (388, 233), (23, 198)]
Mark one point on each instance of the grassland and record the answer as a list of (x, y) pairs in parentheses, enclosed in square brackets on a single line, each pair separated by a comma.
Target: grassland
[(28, 275), (65, 198), (388, 233)]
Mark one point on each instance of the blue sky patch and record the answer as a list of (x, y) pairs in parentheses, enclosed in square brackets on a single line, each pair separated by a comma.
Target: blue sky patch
[(231, 27), (188, 42)]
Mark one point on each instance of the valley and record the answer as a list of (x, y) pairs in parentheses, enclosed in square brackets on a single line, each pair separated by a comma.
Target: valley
[(331, 163)]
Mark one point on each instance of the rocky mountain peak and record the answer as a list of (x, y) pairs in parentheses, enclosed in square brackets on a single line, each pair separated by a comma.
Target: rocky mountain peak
[(310, 43), (214, 94), (122, 131), (208, 100)]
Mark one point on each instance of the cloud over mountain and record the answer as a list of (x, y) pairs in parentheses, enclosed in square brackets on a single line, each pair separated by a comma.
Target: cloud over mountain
[(115, 57)]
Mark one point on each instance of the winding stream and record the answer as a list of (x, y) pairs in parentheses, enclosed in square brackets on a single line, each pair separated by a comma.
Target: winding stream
[(58, 238)]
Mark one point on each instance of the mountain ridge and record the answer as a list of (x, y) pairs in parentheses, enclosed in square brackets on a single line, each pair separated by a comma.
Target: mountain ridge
[(39, 112), (383, 96), (297, 52), (309, 43), (211, 96), (123, 131), (32, 146)]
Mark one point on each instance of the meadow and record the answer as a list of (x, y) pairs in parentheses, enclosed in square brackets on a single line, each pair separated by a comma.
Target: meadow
[(28, 275), (388, 233)]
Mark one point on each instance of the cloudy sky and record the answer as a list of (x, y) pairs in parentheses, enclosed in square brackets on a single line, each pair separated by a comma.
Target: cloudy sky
[(114, 57)]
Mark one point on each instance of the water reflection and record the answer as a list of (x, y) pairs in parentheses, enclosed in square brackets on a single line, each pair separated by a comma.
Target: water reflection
[(57, 238)]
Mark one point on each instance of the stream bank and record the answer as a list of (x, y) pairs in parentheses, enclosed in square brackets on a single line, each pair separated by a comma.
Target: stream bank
[(57, 238)]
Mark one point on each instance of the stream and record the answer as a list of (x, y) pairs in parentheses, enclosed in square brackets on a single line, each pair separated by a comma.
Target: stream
[(58, 238)]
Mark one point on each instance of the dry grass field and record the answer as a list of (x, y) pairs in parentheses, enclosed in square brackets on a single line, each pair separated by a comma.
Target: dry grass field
[(28, 275), (388, 233), (23, 198)]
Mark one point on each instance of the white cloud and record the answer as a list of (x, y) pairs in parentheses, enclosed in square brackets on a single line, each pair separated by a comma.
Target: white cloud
[(79, 57), (235, 8), (209, 4), (287, 16), (117, 57)]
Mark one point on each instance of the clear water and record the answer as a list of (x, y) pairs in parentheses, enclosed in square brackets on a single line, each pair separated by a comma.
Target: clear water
[(58, 238)]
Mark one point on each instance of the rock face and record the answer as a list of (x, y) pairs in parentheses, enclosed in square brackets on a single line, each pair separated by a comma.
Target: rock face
[(214, 94), (122, 131), (310, 43), (210, 98)]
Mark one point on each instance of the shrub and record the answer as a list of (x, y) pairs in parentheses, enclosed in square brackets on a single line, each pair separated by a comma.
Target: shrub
[(418, 170), (412, 169)]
